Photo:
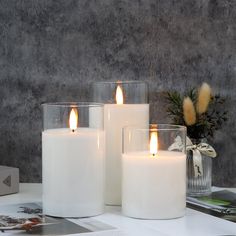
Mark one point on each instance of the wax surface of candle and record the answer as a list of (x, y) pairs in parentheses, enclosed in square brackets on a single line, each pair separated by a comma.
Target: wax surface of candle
[(117, 116), (154, 187), (73, 172)]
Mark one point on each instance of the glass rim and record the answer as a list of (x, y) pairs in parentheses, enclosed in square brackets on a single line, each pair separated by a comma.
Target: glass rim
[(157, 127), (72, 104), (120, 82)]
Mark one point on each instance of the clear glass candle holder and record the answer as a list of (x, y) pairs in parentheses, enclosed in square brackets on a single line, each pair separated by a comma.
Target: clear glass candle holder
[(125, 103), (133, 92), (73, 154), (154, 171)]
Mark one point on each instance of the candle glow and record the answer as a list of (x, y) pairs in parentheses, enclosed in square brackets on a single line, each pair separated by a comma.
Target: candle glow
[(119, 95), (73, 120), (153, 143)]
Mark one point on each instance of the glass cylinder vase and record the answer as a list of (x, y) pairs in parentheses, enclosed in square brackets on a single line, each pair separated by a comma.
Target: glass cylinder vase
[(73, 159), (154, 173), (125, 103), (199, 185)]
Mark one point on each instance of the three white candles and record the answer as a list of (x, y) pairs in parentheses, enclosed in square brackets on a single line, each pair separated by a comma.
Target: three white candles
[(153, 182), (130, 108), (73, 168)]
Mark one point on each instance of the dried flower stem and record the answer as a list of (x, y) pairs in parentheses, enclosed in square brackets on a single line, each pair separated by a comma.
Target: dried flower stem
[(189, 111), (203, 100)]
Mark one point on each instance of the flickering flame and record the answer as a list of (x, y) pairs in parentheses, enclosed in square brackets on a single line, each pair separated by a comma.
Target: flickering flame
[(73, 119), (119, 95), (153, 143)]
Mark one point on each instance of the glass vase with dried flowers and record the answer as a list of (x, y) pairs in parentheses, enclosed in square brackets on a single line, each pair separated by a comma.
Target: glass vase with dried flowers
[(202, 113)]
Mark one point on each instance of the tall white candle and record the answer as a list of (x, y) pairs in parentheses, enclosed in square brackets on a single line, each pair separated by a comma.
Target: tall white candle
[(117, 116), (73, 172), (154, 186)]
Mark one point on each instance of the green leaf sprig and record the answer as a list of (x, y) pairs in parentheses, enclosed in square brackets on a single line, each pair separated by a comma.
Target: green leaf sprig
[(212, 115)]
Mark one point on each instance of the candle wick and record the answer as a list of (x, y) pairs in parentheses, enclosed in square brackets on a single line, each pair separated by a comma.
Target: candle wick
[(153, 154), (73, 130)]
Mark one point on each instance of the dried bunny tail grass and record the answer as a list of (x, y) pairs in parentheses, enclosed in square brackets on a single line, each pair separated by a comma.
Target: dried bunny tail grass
[(204, 97), (189, 111)]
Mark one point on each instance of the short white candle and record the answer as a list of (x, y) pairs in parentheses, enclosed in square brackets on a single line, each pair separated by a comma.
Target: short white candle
[(117, 116), (73, 172), (154, 186)]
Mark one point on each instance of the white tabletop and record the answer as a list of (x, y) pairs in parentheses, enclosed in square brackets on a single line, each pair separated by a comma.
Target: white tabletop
[(194, 223)]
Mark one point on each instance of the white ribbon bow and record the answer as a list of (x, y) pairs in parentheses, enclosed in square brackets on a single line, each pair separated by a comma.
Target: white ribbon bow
[(197, 151)]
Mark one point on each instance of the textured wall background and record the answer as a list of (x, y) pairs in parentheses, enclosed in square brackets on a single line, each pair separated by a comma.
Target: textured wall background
[(52, 50)]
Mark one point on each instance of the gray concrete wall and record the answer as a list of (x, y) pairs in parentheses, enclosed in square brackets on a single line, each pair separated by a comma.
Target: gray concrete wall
[(52, 51)]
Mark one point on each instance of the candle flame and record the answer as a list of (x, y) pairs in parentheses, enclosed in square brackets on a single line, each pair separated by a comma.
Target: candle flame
[(153, 143), (73, 119), (119, 95)]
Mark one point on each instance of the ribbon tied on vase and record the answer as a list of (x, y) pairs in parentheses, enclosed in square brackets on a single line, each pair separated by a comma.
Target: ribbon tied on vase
[(197, 151)]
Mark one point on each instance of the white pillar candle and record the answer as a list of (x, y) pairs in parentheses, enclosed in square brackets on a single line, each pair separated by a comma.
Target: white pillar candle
[(117, 116), (73, 172), (154, 186)]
